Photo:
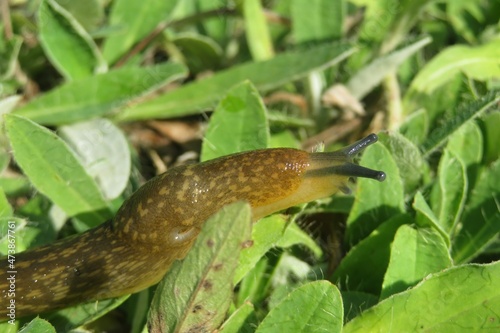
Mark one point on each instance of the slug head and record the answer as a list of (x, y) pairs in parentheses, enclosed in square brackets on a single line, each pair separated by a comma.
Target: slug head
[(324, 174)]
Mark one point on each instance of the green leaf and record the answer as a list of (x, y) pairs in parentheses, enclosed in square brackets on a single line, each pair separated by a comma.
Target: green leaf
[(134, 20), (38, 325), (7, 327), (5, 207), (265, 234), (356, 302), (294, 235), (242, 320), (239, 123), (255, 286), (415, 253), (99, 95), (103, 151), (372, 74), (15, 186), (89, 13), (364, 266), (375, 202), (8, 57), (450, 191), (54, 170), (425, 216), (408, 158), (66, 43), (460, 299), (76, 316), (196, 97), (313, 307), (463, 114), (416, 126), (479, 63), (8, 104), (18, 226), (490, 125), (481, 220), (314, 21), (200, 53), (388, 22), (467, 144), (257, 31), (195, 295)]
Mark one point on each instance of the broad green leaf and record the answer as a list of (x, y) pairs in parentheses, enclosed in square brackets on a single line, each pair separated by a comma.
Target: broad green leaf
[(199, 53), (195, 295), (415, 253), (269, 232), (88, 13), (8, 58), (66, 43), (55, 171), (364, 266), (460, 13), (416, 126), (103, 151), (242, 320), (8, 104), (408, 158), (135, 20), (38, 325), (239, 123), (265, 234), (463, 114), (375, 202), (285, 139), (11, 227), (15, 186), (73, 317), (481, 219), (372, 74), (216, 27), (196, 97), (450, 191), (13, 327), (477, 62), (459, 299), (100, 95), (490, 125), (467, 144), (255, 286), (5, 207), (257, 31), (294, 235), (388, 22), (314, 21), (313, 307), (425, 216), (356, 302)]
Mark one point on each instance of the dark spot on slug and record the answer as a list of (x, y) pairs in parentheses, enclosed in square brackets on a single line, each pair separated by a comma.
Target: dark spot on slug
[(197, 308)]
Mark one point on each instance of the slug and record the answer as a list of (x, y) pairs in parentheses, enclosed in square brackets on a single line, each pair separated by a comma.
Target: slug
[(160, 221)]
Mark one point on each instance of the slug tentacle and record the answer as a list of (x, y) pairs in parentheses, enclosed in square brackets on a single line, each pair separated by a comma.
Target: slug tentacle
[(326, 162), (159, 223)]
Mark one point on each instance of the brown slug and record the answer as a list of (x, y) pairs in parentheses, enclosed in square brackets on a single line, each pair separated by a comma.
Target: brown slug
[(160, 221)]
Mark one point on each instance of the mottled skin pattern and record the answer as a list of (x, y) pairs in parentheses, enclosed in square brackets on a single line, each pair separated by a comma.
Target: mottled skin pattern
[(158, 225)]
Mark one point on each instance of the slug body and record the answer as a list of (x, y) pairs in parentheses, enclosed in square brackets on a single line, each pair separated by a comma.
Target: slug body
[(160, 221)]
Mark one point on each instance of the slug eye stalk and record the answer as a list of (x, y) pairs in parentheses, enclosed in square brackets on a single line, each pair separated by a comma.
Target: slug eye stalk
[(340, 162)]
